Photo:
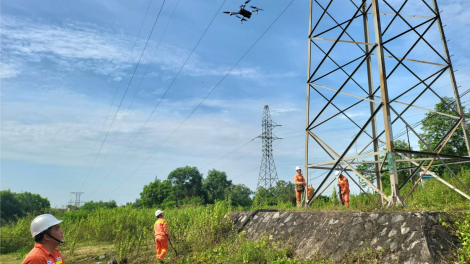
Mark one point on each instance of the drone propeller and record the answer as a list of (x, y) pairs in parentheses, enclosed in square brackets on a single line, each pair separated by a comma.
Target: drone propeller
[(256, 8), (241, 18), (243, 6), (227, 12)]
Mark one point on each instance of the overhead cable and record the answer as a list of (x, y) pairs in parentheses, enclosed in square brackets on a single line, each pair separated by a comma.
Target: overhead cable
[(223, 78), (146, 121), (124, 118), (127, 88), (119, 85)]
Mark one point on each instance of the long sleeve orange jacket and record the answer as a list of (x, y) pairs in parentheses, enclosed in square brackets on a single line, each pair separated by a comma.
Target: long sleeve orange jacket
[(161, 228), (299, 179), (344, 184)]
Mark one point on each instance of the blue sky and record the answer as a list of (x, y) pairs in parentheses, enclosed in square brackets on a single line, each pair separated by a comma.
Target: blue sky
[(62, 63)]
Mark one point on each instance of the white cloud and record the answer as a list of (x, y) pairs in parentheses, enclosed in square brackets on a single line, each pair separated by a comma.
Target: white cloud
[(90, 48), (8, 70), (73, 46)]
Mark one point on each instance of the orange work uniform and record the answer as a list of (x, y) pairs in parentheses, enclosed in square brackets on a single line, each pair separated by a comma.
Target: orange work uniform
[(310, 191), (41, 255), (299, 179), (344, 185), (161, 235)]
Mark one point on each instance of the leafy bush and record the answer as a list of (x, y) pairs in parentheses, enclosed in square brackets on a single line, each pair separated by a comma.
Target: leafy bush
[(463, 233)]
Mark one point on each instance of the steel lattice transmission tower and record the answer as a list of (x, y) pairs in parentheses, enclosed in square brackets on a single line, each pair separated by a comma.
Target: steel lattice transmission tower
[(391, 58), (77, 198), (267, 173)]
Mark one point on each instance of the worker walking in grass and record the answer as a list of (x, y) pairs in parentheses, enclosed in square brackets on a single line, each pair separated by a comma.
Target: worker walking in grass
[(47, 234), (343, 185), (161, 235), (299, 185)]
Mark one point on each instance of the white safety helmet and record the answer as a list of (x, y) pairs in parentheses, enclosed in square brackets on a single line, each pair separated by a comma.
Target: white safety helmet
[(42, 223), (158, 212), (297, 168), (337, 173)]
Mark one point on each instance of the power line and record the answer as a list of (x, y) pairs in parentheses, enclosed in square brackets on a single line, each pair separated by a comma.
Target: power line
[(135, 69), (120, 81), (228, 153), (223, 78), (140, 130), (137, 90)]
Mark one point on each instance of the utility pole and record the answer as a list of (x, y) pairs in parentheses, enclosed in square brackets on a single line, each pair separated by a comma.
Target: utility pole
[(267, 173)]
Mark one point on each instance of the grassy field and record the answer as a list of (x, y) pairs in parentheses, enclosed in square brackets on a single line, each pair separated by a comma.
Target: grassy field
[(204, 234)]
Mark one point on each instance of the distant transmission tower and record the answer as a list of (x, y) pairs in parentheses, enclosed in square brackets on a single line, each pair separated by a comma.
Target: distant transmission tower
[(267, 173), (77, 198)]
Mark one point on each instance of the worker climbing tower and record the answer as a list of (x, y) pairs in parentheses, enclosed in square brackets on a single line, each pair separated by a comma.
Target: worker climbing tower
[(376, 69), (267, 173)]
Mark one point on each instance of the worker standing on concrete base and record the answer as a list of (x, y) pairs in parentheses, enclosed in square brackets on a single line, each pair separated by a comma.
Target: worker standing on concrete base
[(310, 192), (343, 184), (161, 235), (299, 185)]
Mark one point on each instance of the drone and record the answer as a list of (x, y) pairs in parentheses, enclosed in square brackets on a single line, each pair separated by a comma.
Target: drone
[(245, 13)]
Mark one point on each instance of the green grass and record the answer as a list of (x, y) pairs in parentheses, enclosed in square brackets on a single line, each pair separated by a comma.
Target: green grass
[(204, 234)]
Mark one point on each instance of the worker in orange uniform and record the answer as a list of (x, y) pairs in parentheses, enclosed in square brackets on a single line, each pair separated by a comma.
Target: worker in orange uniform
[(309, 191), (299, 185), (47, 234), (161, 235), (343, 184)]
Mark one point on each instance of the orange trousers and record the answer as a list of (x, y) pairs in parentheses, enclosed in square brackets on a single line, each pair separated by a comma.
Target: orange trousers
[(298, 196), (161, 245), (345, 197)]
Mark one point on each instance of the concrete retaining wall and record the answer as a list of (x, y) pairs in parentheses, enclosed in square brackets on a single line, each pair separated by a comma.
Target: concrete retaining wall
[(404, 237)]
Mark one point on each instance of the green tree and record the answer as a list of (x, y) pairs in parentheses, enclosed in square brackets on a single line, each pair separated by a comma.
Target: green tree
[(30, 203), (215, 184), (90, 206), (155, 193), (187, 183), (9, 206), (240, 194), (436, 126), (285, 191), (282, 192)]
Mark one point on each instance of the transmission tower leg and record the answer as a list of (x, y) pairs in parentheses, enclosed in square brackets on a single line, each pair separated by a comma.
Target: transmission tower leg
[(308, 101), (386, 107), (372, 104), (452, 76)]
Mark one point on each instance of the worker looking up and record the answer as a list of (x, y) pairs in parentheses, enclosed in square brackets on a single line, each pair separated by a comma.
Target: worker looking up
[(161, 235), (343, 184), (47, 234), (299, 185)]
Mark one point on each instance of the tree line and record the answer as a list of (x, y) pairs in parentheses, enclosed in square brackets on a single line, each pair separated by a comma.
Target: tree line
[(15, 205)]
